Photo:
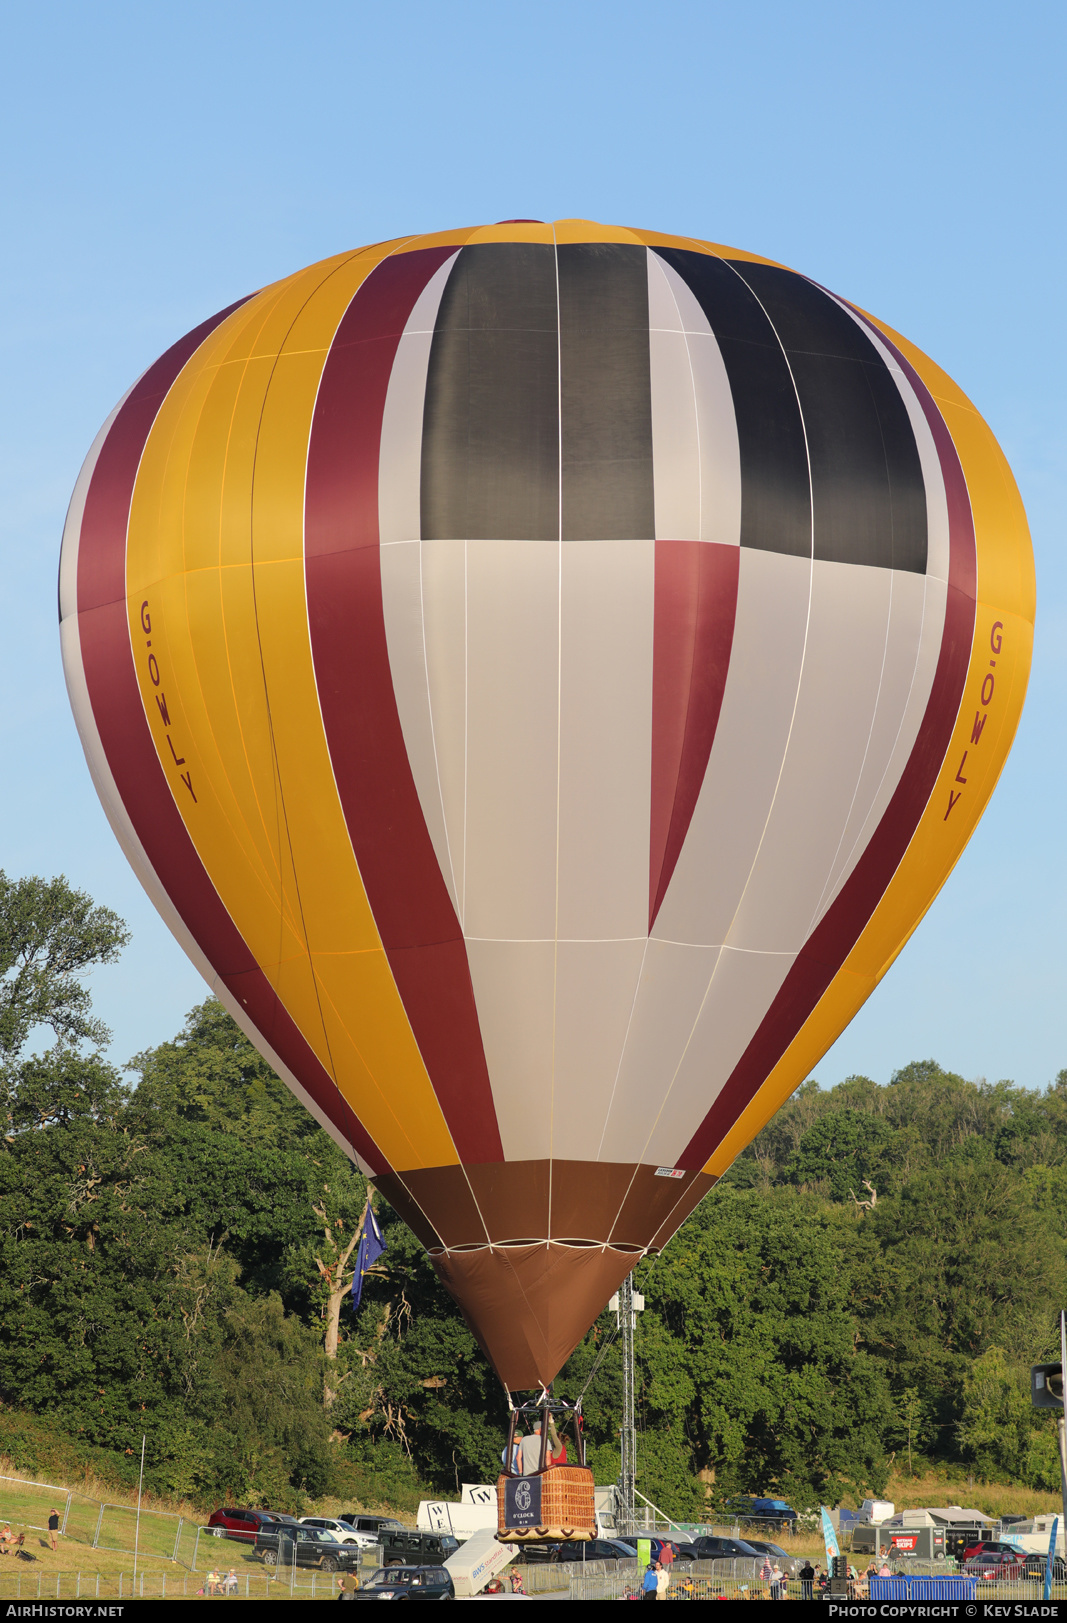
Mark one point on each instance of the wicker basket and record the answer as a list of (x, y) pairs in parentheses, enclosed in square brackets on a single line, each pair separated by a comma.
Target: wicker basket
[(567, 1509)]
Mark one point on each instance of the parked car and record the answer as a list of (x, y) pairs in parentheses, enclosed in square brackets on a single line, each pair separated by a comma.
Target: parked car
[(305, 1547), (330, 1524), (709, 1548), (244, 1525), (990, 1546), (596, 1549), (408, 1583), (790, 1564), (1034, 1567), (369, 1528), (404, 1547), (770, 1515), (593, 1549), (994, 1564)]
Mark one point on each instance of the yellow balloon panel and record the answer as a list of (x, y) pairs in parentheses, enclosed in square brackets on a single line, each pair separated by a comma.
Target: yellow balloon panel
[(221, 483)]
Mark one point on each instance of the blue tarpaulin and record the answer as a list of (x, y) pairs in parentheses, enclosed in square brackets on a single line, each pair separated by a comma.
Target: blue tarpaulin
[(921, 1588)]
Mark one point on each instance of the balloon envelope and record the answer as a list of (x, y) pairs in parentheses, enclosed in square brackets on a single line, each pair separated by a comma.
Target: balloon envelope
[(542, 674)]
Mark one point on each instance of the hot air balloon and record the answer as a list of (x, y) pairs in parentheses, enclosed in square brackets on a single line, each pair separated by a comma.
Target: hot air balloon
[(542, 674)]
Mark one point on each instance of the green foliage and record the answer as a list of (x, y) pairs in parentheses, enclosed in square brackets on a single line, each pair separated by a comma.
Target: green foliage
[(960, 1267), (50, 935), (771, 1388), (841, 1150)]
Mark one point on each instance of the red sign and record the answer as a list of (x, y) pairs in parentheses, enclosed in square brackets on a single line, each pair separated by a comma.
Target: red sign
[(904, 1541)]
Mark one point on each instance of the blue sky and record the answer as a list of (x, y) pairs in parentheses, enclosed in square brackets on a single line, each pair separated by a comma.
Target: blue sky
[(160, 161)]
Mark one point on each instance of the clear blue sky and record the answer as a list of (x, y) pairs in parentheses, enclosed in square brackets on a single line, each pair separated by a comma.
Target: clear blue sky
[(159, 161)]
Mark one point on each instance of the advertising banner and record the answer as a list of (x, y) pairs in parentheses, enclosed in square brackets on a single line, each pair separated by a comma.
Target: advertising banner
[(829, 1538), (522, 1502)]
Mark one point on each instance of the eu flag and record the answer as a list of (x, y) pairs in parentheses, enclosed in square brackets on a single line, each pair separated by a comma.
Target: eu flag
[(371, 1246)]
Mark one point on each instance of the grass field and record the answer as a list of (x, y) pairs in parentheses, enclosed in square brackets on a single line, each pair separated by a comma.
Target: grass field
[(77, 1570), (994, 1498)]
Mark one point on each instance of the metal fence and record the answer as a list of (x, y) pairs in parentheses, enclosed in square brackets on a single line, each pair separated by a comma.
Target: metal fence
[(691, 1580), (548, 1577), (31, 1503), (714, 1580), (159, 1585), (157, 1533), (91, 1521), (162, 1535)]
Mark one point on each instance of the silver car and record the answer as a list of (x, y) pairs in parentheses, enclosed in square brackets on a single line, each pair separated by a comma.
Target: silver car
[(790, 1564), (329, 1524)]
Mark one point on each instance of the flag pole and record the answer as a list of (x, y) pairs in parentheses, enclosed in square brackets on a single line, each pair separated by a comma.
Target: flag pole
[(137, 1528)]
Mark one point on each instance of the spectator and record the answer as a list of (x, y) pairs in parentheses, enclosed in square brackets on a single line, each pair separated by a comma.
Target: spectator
[(229, 1583), (6, 1536), (666, 1554), (807, 1580), (53, 1527), (663, 1581), (650, 1583), (777, 1583), (885, 1571)]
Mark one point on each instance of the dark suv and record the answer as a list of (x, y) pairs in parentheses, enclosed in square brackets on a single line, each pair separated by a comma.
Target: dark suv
[(368, 1529), (594, 1549), (287, 1545), (708, 1548), (404, 1547)]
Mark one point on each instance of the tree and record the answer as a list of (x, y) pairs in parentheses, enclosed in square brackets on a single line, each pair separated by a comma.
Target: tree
[(842, 1149), (999, 1430), (748, 1354), (50, 935), (909, 1414)]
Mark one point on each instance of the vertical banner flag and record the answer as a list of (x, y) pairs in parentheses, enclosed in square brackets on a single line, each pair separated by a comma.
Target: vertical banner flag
[(829, 1539), (371, 1246), (1049, 1564)]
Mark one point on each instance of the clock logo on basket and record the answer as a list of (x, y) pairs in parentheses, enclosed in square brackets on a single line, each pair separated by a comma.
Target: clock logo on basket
[(522, 1496)]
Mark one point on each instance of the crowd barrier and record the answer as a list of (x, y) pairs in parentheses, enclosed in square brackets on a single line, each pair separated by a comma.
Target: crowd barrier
[(715, 1580), (71, 1587), (94, 1522)]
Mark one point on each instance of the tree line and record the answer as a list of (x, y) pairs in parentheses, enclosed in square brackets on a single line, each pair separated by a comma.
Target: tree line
[(867, 1285)]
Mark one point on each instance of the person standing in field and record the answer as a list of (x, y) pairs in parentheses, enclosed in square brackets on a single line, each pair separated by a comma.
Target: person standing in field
[(53, 1527)]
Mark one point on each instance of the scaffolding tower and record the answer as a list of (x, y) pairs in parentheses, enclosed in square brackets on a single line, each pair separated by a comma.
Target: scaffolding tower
[(628, 1304)]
